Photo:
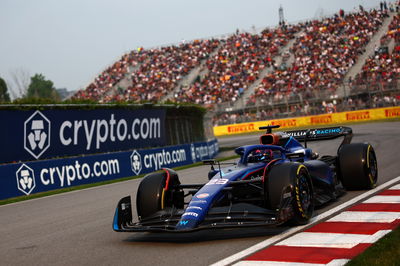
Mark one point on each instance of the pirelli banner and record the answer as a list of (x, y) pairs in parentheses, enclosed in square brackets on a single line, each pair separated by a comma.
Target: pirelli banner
[(41, 134), (325, 119), (20, 179)]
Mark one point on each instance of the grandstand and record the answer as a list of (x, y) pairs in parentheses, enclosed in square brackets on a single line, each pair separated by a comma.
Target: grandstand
[(310, 67)]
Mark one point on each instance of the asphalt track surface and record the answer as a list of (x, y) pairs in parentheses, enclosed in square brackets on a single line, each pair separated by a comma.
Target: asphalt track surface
[(75, 228)]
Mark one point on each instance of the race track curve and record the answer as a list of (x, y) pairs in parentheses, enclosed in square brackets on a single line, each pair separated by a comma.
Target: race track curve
[(75, 228)]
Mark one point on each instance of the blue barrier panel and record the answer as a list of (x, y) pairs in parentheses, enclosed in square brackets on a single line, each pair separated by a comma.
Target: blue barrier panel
[(45, 134), (32, 177)]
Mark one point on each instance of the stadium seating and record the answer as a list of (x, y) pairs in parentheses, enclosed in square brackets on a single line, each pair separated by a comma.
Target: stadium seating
[(323, 54), (236, 65)]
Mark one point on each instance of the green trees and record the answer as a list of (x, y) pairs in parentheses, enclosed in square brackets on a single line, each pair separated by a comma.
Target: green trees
[(4, 96), (41, 88)]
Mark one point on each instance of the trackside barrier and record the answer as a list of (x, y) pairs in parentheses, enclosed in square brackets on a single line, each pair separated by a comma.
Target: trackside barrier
[(45, 134), (27, 178), (325, 119)]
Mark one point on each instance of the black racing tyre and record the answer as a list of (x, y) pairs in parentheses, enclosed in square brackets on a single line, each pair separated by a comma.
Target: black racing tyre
[(292, 178), (153, 195), (358, 167)]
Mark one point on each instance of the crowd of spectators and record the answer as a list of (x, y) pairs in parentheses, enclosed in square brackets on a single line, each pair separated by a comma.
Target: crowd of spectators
[(324, 52), (236, 65), (382, 70), (105, 82), (325, 107), (164, 68), (155, 72)]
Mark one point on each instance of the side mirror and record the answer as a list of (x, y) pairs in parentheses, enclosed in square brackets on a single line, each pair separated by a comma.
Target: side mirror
[(209, 162)]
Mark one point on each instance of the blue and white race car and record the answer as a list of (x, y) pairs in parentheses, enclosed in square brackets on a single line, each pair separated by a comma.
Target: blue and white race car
[(277, 181)]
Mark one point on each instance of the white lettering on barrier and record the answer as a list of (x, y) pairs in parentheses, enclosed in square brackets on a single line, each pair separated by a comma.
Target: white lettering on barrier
[(122, 136), (65, 141), (101, 138), (100, 131), (42, 177), (88, 134), (67, 174), (157, 160)]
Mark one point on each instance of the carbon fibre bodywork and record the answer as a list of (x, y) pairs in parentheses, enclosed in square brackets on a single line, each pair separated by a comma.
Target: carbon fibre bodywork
[(247, 192)]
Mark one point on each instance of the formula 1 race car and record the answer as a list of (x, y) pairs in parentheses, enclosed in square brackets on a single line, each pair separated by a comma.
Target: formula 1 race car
[(280, 180)]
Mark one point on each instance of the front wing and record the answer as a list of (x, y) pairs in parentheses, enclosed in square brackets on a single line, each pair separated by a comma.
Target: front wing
[(235, 215)]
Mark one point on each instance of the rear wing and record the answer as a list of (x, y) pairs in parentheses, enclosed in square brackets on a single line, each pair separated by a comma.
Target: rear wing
[(322, 134)]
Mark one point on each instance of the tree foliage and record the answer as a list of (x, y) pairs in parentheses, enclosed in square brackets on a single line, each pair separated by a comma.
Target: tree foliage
[(4, 96), (42, 88)]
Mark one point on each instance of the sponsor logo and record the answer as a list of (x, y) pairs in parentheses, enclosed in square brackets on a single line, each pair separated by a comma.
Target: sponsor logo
[(395, 112), (357, 116), (37, 134), (136, 162), (285, 122), (190, 214), (66, 175), (218, 181), (25, 179), (198, 201), (327, 131), (322, 119), (202, 195), (194, 208), (287, 195), (183, 222), (241, 128), (157, 160), (98, 131), (297, 133)]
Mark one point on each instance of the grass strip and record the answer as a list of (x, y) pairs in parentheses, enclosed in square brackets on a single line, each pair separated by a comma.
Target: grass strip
[(80, 187), (384, 252)]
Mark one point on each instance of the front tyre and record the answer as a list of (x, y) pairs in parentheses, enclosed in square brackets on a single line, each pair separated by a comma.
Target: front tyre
[(156, 192), (292, 178), (303, 205), (358, 167)]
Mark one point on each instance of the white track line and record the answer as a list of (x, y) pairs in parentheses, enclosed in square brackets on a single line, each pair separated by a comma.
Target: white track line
[(366, 217), (329, 240), (396, 187), (291, 231), (383, 199), (279, 263)]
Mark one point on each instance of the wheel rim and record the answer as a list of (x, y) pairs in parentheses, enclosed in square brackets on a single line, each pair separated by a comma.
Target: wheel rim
[(305, 192), (373, 169)]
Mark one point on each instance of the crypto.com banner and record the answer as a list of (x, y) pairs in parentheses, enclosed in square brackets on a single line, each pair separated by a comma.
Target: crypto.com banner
[(30, 135), (27, 178)]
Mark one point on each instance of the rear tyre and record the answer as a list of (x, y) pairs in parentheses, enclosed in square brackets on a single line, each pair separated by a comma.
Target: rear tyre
[(358, 167), (156, 192), (292, 178)]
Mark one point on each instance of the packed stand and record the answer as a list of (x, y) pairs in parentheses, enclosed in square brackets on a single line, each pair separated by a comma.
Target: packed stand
[(324, 53), (353, 103), (382, 70), (160, 73), (104, 82), (236, 66), (156, 72)]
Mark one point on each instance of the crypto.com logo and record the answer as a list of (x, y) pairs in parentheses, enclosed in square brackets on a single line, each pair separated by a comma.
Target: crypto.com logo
[(136, 162), (25, 179), (37, 134)]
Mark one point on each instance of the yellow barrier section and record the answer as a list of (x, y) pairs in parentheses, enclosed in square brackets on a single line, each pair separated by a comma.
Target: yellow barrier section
[(325, 119)]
